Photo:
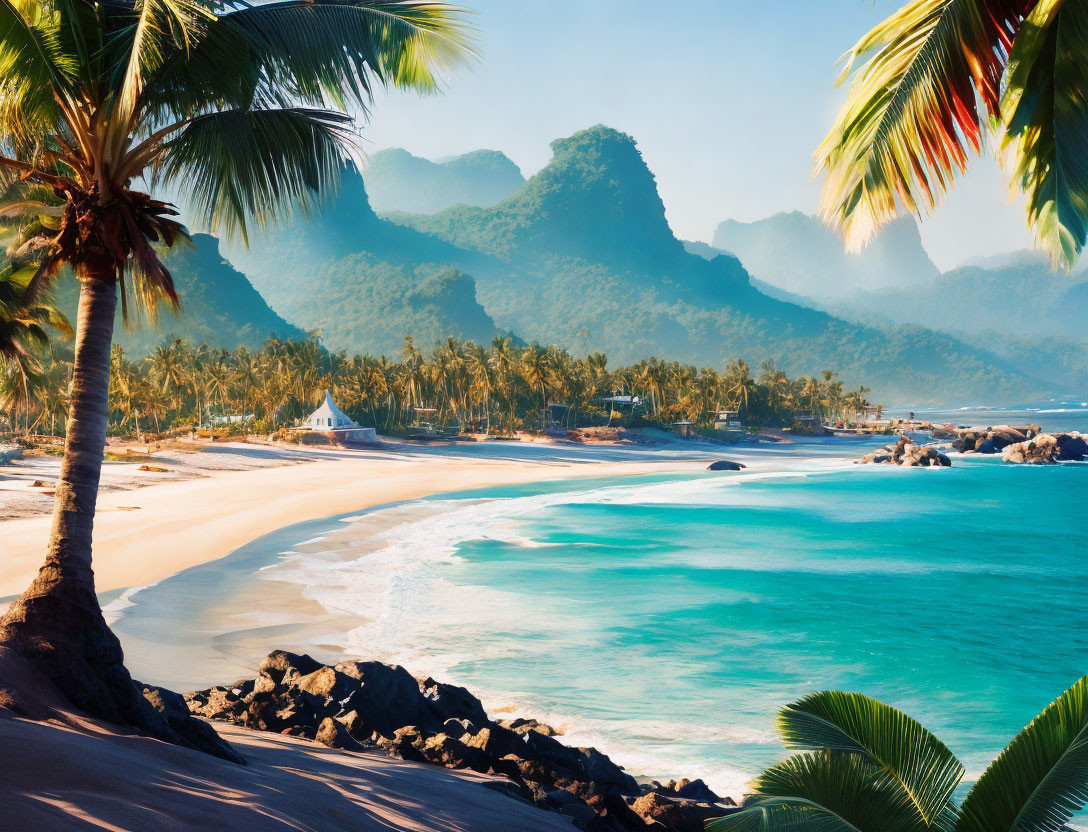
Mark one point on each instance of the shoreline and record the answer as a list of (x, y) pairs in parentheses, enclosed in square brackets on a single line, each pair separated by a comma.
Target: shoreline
[(146, 535)]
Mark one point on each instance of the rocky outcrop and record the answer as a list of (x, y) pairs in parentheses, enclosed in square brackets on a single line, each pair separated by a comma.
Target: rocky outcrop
[(992, 440), (905, 452), (359, 705), (1048, 449), (725, 465)]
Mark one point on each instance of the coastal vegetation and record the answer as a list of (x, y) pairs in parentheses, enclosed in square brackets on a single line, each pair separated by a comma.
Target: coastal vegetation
[(936, 82), (499, 388), (867, 767), (240, 107)]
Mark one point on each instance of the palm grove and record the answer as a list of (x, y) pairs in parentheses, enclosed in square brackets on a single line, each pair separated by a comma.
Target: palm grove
[(500, 388)]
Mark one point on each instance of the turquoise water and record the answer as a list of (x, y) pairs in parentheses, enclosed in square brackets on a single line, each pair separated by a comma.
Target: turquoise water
[(669, 622), (666, 619)]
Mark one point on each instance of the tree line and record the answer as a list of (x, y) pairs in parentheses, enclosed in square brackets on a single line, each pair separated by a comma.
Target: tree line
[(499, 388)]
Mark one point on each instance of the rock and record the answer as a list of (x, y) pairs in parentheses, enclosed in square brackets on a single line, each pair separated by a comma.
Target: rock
[(404, 745), (388, 698), (697, 790), (197, 734), (1048, 449), (281, 666), (524, 726), (598, 768), (677, 813), (444, 750), (497, 741), (452, 702), (326, 682), (906, 453), (333, 734), (355, 725), (725, 465)]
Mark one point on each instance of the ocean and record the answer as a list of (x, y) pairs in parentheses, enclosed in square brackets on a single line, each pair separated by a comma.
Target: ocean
[(665, 619)]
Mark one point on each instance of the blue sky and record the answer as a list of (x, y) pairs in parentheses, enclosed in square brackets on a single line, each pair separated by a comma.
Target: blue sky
[(726, 98)]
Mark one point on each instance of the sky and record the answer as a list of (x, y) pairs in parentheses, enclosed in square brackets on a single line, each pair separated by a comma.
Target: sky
[(727, 100)]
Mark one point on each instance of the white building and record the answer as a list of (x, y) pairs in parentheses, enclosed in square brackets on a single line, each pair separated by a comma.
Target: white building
[(330, 419)]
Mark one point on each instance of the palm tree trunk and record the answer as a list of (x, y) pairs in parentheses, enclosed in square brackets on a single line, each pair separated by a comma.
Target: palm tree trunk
[(57, 623)]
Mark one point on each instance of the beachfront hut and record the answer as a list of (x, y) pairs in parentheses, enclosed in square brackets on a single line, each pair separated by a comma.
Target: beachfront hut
[(336, 424), (328, 417)]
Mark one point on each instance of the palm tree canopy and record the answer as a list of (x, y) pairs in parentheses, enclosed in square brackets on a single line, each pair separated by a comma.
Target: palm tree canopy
[(937, 79), (240, 106)]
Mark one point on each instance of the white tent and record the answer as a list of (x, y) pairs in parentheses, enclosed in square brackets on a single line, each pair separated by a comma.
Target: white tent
[(328, 417)]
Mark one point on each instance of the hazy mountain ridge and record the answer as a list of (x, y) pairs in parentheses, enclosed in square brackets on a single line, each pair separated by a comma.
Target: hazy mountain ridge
[(363, 282), (589, 236), (1024, 299), (219, 305), (796, 252), (396, 180)]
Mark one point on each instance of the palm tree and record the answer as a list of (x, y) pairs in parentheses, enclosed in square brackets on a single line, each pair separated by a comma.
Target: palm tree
[(867, 767), (937, 79), (240, 107)]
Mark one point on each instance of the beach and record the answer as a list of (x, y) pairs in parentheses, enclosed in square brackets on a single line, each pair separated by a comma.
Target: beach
[(147, 534), (576, 584)]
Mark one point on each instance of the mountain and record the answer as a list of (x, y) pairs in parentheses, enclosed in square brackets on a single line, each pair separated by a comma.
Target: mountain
[(218, 305), (582, 256), (798, 253), (1020, 296), (365, 283), (398, 181), (594, 265)]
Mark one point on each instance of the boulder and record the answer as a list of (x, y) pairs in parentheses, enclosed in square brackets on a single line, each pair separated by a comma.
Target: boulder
[(497, 741), (196, 734), (676, 813), (1048, 449), (452, 702), (326, 682), (608, 776), (387, 697), (281, 667), (725, 465), (524, 726), (333, 734)]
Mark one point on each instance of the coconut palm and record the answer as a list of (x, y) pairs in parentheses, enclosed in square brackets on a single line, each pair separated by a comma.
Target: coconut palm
[(933, 83), (867, 767), (240, 107)]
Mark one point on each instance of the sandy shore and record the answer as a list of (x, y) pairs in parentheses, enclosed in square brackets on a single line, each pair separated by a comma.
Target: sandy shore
[(143, 536)]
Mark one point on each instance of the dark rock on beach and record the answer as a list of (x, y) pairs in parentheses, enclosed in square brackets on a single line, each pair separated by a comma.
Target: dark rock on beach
[(725, 465), (357, 706)]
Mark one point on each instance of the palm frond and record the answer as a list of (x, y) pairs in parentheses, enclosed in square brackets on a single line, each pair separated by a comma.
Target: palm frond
[(925, 770), (1041, 779), (828, 791), (1046, 137), (33, 69), (912, 115), (258, 164), (161, 29), (314, 53)]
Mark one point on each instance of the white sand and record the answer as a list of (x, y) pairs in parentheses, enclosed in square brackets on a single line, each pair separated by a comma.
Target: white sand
[(147, 534)]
